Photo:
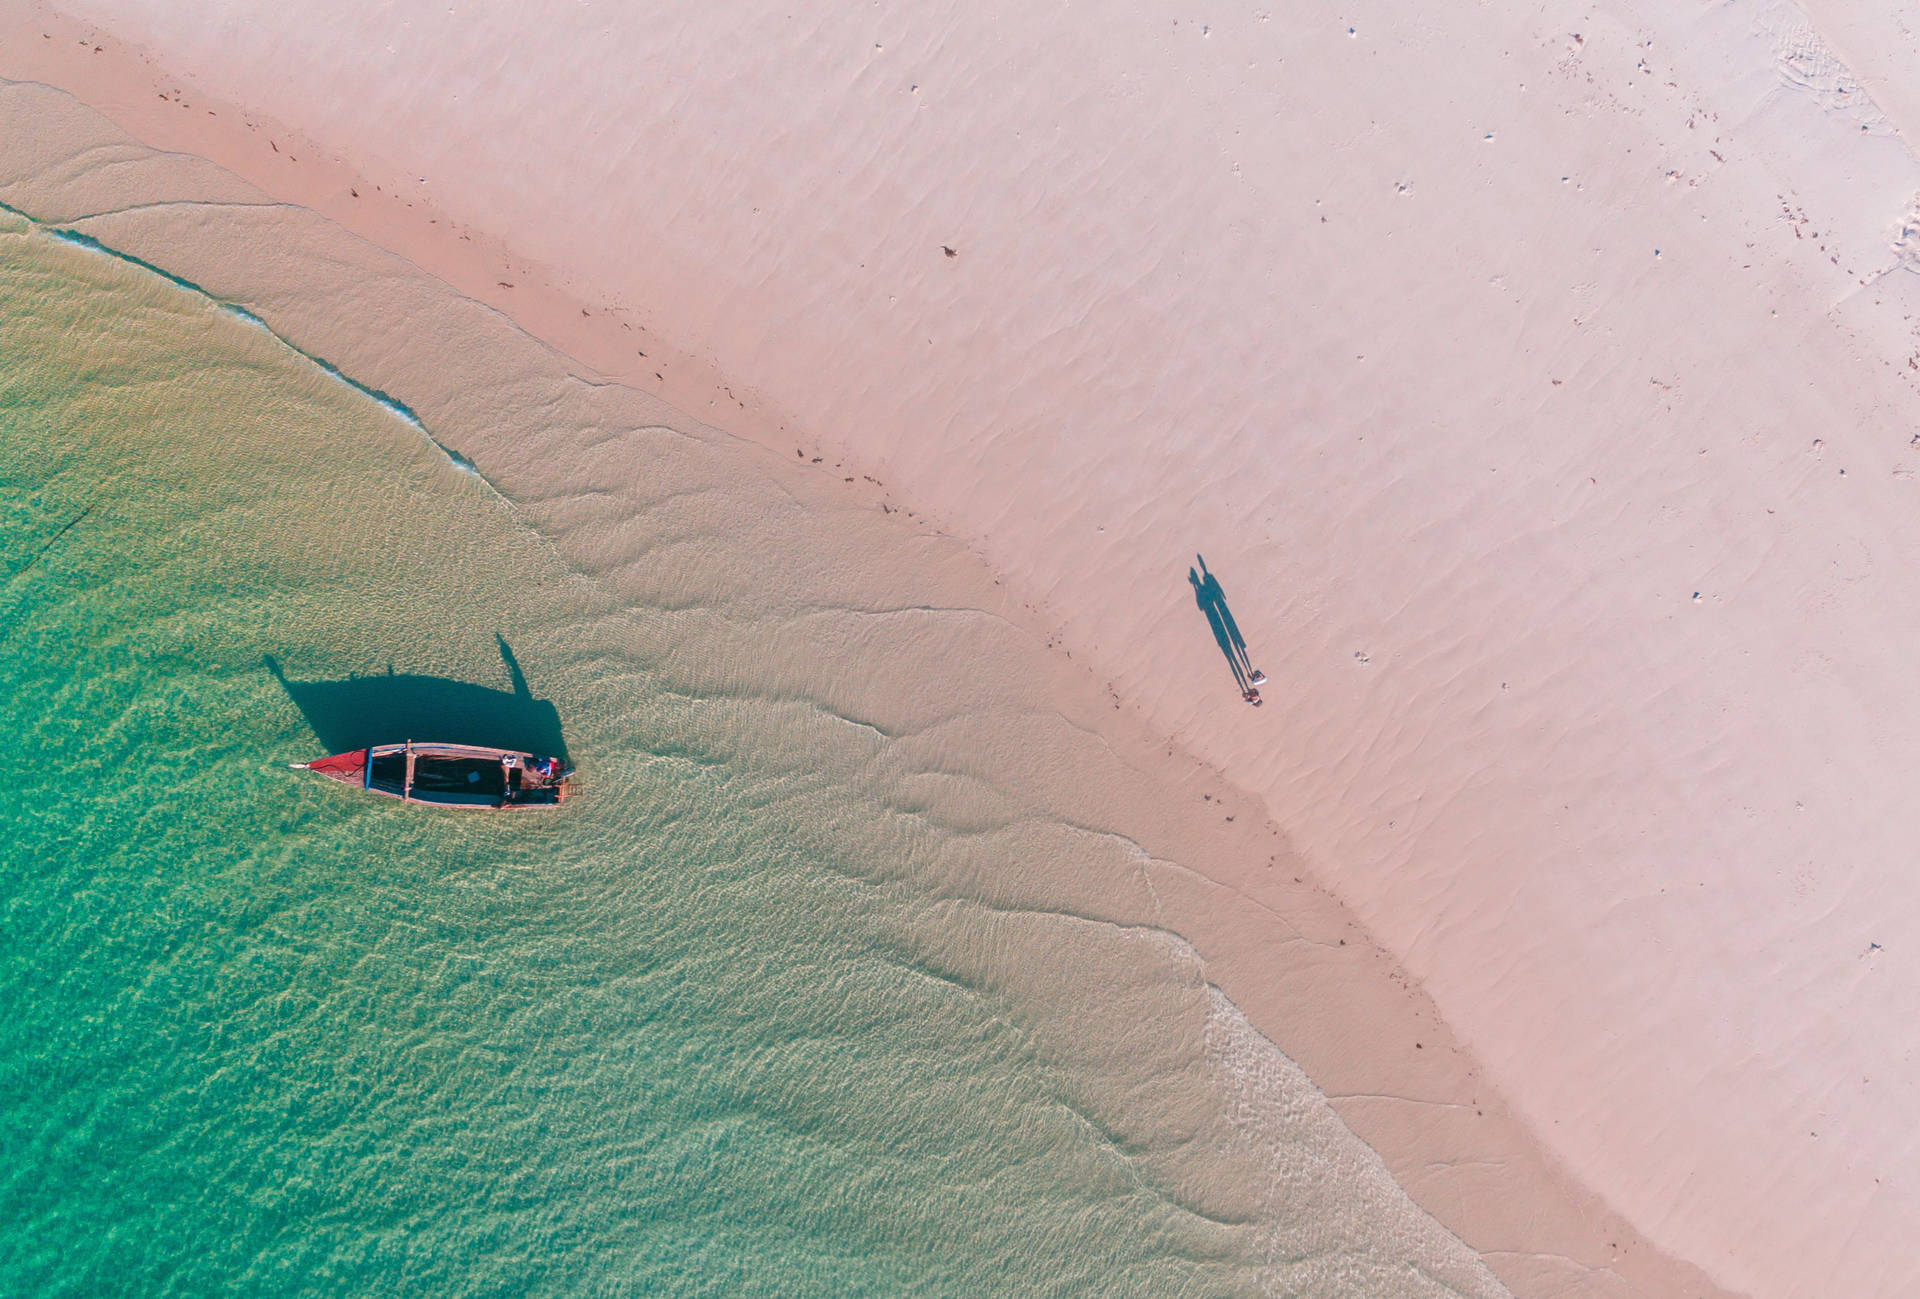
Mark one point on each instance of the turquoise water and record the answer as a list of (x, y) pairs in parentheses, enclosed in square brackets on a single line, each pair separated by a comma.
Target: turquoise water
[(697, 1032)]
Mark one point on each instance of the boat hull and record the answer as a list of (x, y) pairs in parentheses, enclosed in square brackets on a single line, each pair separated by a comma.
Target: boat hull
[(449, 775)]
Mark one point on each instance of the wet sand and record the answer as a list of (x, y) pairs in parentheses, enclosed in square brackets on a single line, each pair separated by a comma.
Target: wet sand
[(1539, 397)]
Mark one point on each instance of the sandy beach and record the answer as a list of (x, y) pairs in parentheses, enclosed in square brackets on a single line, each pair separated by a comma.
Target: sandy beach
[(1540, 385)]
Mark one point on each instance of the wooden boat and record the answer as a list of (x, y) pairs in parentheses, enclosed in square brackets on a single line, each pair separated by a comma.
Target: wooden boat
[(448, 775)]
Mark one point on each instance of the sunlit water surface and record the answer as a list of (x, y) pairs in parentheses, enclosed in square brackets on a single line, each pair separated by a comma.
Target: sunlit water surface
[(690, 1034)]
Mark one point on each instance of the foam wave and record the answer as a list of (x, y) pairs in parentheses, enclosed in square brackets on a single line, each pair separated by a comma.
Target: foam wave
[(386, 401)]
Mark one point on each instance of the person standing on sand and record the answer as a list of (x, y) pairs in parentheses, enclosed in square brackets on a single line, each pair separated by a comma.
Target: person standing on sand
[(1206, 594), (1215, 619), (1213, 600)]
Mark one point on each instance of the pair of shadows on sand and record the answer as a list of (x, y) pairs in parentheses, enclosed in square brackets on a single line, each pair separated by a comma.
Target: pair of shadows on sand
[(1226, 632), (362, 711)]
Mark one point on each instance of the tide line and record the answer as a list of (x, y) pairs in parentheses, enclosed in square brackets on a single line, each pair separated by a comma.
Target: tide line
[(399, 409)]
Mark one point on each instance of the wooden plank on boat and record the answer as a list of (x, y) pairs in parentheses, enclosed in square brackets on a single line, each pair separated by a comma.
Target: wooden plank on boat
[(449, 775)]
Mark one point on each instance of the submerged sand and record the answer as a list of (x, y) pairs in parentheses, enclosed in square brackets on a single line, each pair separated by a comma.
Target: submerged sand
[(1538, 383)]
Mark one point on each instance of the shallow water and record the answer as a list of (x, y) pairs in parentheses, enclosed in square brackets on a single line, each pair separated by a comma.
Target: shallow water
[(764, 1011)]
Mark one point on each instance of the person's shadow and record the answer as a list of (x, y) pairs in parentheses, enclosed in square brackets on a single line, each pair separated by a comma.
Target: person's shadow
[(1226, 632), (356, 712)]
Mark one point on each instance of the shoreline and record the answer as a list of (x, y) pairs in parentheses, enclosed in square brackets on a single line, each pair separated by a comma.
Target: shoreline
[(1320, 1001), (596, 334)]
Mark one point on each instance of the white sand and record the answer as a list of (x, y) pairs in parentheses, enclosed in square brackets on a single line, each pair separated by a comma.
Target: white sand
[(1537, 382)]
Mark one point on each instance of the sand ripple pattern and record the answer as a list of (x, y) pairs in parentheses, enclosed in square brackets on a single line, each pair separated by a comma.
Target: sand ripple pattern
[(807, 994)]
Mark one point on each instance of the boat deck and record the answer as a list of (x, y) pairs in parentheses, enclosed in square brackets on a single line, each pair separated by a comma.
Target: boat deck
[(450, 775)]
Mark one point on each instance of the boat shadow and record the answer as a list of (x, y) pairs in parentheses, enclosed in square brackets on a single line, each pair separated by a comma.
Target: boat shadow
[(360, 711)]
